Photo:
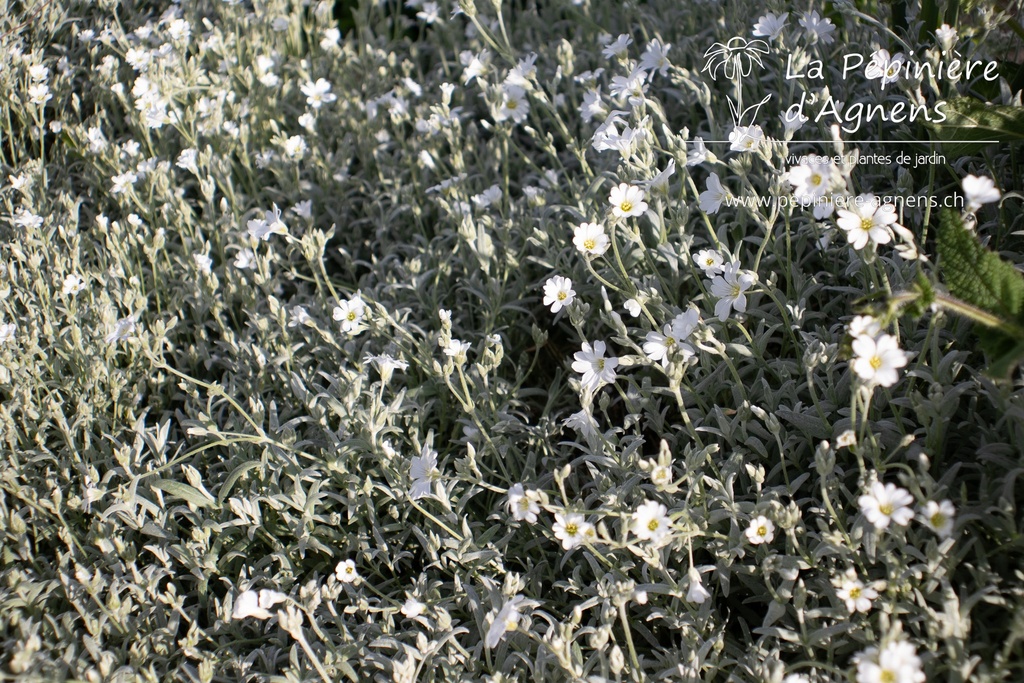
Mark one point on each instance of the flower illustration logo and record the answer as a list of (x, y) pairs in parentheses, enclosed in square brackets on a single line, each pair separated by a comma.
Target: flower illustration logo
[(735, 58)]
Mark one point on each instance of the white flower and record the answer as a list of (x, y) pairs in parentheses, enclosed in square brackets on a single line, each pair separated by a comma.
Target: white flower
[(633, 307), (811, 179), (661, 475), (633, 87), (854, 593), (818, 30), (886, 503), (318, 93), (711, 199), (270, 224), (457, 349), (939, 517), (203, 262), (187, 160), (476, 65), (72, 285), (651, 522), (27, 219), (793, 120), (350, 313), (491, 195), (346, 571), (122, 328), (761, 530), (247, 604), (245, 259), (430, 13), (729, 287), (413, 608), (979, 191), (39, 93), (299, 316), (618, 48), (946, 36), (590, 239), (386, 365), (661, 347), (507, 619), (269, 598), (38, 72), (523, 504), (627, 200), (796, 678), (572, 529), (699, 154), (696, 593), (179, 30), (7, 331), (558, 293), (897, 662), (122, 182), (864, 325), (423, 472), (514, 104), (330, 39), (869, 222), (710, 261), (295, 147), (659, 183), (770, 26), (303, 209), (746, 138), (884, 67), (583, 422), (596, 369), (655, 57), (592, 105), (878, 359)]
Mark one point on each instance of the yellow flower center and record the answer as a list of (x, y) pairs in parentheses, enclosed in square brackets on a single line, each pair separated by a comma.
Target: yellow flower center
[(351, 316), (600, 363), (762, 530), (524, 503), (626, 206), (669, 341), (887, 676), (589, 244), (886, 509), (561, 296), (876, 362), (816, 179), (571, 529), (653, 525), (866, 224), (855, 592), (938, 519)]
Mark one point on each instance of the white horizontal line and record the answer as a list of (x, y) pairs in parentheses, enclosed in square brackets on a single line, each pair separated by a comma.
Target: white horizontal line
[(877, 142)]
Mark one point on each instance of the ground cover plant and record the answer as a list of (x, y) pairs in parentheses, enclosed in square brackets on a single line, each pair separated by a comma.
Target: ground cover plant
[(497, 341)]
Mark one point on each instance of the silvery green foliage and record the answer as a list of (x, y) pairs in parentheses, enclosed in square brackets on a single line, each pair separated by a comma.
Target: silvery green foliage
[(281, 397)]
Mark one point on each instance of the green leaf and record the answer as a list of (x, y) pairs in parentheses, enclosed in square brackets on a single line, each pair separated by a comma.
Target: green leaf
[(969, 121), (233, 477), (981, 279), (975, 274), (184, 491)]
